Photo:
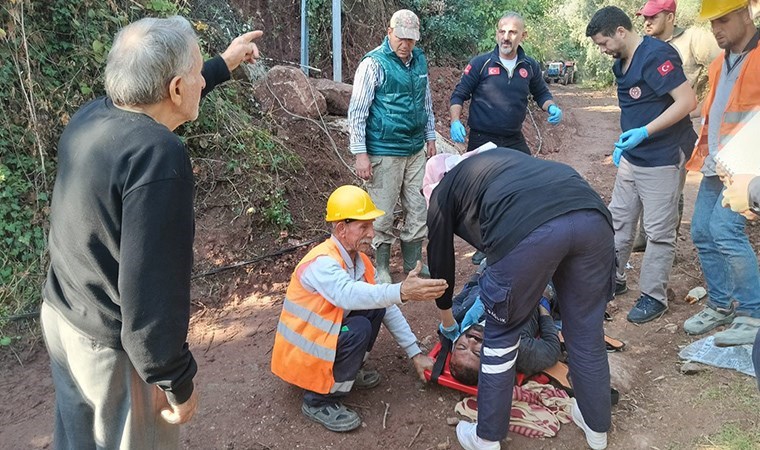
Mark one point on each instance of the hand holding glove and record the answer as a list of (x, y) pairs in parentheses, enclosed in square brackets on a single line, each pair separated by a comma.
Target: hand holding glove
[(451, 333), (631, 138), (473, 314), (457, 131), (555, 114)]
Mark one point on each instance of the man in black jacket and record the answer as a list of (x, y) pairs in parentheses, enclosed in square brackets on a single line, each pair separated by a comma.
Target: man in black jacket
[(536, 220), (498, 85), (117, 297)]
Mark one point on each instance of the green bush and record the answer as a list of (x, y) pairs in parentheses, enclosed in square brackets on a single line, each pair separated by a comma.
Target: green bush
[(52, 57)]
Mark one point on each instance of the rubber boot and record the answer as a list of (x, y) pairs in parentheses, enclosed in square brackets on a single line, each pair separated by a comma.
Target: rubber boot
[(382, 264), (412, 252)]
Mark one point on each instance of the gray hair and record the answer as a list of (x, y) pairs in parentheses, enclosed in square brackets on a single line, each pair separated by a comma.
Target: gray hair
[(512, 15), (144, 58)]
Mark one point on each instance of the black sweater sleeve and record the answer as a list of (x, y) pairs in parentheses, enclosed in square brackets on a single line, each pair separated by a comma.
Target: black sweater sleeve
[(215, 72), (154, 271), (538, 353)]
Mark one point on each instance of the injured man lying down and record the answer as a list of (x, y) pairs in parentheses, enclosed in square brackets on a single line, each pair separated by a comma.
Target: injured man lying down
[(539, 340)]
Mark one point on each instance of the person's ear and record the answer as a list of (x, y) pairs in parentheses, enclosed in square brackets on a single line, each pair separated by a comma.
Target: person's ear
[(671, 17), (340, 228), (176, 86)]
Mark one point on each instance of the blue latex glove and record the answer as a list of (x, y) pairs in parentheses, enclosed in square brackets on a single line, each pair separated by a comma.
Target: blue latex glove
[(457, 131), (555, 114), (473, 314), (631, 138), (451, 333), (616, 154), (545, 303)]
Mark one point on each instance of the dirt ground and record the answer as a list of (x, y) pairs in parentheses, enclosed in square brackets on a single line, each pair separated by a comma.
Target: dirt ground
[(243, 406)]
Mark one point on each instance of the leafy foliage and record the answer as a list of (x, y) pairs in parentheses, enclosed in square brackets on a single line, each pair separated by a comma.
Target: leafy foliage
[(52, 57)]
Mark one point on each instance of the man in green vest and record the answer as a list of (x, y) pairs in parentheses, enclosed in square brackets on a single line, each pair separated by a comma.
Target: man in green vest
[(392, 130)]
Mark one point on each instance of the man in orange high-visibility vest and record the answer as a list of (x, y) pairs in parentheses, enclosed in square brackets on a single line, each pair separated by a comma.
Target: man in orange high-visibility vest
[(332, 313), (729, 263)]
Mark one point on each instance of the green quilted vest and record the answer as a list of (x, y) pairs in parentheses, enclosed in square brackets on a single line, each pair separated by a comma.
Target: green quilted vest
[(397, 117)]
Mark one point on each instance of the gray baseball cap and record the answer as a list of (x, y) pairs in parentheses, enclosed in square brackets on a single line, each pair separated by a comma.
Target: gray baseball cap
[(405, 24)]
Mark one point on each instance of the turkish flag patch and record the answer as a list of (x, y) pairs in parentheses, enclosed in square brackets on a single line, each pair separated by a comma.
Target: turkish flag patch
[(467, 69), (493, 71), (665, 68)]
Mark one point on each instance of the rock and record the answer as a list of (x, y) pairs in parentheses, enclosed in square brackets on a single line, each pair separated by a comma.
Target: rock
[(671, 328), (451, 421), (288, 88), (695, 294), (690, 368), (337, 95)]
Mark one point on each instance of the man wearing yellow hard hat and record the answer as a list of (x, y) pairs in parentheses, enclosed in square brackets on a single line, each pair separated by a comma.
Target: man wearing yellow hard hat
[(728, 261), (332, 313)]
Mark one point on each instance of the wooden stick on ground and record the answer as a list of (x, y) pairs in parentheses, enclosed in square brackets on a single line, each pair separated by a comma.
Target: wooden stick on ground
[(415, 436), (385, 415)]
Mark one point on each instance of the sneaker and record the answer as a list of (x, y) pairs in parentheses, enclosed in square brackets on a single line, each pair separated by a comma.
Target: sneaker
[(478, 257), (335, 417), (469, 439), (367, 379), (621, 288), (594, 439), (742, 332), (707, 319), (646, 309)]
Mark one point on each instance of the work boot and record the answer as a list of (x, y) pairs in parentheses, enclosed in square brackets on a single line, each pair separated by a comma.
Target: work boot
[(335, 417), (366, 379), (412, 252), (382, 264)]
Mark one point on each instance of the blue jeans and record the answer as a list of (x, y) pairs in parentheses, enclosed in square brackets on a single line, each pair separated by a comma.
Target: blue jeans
[(728, 261)]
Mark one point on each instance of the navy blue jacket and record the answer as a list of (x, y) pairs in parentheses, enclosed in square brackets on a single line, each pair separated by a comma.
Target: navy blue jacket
[(500, 99)]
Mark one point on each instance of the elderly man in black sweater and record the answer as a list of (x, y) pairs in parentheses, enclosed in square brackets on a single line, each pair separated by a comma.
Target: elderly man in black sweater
[(117, 297), (536, 220)]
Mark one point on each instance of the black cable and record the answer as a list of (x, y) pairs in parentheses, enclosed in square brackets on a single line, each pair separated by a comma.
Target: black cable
[(35, 314), (260, 258)]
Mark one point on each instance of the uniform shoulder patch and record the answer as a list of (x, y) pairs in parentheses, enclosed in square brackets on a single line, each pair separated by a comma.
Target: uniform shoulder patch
[(467, 69), (665, 68)]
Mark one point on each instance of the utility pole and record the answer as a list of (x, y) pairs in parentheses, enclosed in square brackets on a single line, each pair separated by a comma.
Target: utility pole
[(337, 44), (304, 38)]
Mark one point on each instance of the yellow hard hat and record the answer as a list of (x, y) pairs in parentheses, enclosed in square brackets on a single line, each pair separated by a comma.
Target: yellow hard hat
[(351, 202), (712, 9)]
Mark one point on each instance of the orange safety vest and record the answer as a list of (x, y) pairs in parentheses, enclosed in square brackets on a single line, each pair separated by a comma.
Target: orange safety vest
[(743, 103), (307, 334)]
